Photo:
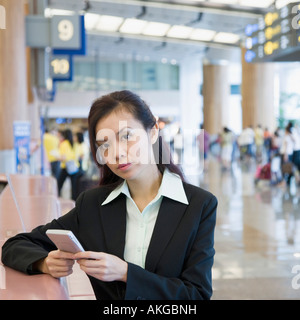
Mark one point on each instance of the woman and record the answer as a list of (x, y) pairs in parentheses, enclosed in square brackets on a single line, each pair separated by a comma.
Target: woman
[(146, 232), (69, 164)]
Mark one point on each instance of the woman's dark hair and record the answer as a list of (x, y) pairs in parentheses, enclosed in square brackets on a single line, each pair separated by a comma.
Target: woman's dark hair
[(68, 135), (133, 104)]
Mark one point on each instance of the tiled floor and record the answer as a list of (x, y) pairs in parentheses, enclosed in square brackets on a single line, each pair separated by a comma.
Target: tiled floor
[(257, 236)]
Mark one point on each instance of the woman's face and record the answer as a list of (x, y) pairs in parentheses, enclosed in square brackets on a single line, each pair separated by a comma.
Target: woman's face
[(124, 145)]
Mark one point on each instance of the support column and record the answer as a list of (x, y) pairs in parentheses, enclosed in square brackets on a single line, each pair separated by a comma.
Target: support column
[(13, 87), (216, 93), (258, 94)]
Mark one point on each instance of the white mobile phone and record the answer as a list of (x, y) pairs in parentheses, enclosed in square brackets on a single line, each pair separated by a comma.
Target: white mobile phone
[(64, 240)]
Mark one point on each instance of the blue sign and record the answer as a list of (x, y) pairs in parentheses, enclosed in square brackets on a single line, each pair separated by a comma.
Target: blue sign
[(61, 67), (22, 146), (65, 31)]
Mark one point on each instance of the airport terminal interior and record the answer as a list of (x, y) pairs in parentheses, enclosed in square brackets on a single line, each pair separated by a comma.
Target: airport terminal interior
[(221, 78)]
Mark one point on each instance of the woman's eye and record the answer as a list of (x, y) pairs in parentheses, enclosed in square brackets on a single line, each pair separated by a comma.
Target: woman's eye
[(126, 136)]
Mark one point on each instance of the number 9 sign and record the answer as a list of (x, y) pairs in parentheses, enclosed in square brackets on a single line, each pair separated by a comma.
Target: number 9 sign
[(65, 30)]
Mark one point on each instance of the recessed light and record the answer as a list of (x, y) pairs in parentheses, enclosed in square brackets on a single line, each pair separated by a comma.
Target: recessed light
[(156, 29), (202, 35), (181, 32), (134, 26)]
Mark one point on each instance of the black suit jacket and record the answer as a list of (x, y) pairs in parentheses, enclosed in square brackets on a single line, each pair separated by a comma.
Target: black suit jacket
[(179, 258)]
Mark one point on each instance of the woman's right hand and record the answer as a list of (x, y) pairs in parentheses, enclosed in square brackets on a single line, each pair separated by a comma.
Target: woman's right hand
[(58, 264)]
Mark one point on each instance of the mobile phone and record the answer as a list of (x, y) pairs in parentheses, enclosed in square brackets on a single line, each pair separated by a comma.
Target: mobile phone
[(64, 240)]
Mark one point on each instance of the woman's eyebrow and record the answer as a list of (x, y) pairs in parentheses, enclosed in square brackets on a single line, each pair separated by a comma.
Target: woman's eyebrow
[(105, 138), (126, 127)]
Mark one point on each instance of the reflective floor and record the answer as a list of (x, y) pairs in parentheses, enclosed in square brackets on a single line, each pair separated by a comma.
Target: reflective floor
[(257, 237)]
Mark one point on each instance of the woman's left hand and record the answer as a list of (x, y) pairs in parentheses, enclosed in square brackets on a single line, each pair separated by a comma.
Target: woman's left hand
[(102, 266)]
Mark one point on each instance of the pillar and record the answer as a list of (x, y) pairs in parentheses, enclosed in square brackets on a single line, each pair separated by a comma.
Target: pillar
[(13, 86), (258, 94), (216, 94)]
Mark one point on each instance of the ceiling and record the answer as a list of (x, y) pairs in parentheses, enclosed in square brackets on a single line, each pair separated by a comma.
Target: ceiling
[(219, 16)]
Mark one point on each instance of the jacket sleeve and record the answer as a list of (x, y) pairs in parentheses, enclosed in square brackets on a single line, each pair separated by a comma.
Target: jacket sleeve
[(195, 281), (22, 250)]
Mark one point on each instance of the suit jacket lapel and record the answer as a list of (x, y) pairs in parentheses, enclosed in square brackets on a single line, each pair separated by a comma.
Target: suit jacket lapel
[(113, 216), (169, 216)]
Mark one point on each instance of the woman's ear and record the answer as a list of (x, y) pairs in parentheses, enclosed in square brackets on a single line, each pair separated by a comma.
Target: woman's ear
[(154, 133)]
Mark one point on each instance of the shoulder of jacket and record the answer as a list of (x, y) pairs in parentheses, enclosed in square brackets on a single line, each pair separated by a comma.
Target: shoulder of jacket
[(198, 193), (96, 193)]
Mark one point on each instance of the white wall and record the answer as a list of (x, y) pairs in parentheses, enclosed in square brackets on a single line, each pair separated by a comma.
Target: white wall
[(77, 104)]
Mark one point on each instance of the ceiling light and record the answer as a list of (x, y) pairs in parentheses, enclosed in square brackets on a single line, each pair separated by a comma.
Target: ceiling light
[(109, 23), (256, 3), (202, 35), (90, 20), (134, 26), (156, 29), (225, 37), (181, 32)]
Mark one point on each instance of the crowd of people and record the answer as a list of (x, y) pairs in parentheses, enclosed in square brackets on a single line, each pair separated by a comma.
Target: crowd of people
[(277, 154), (66, 153)]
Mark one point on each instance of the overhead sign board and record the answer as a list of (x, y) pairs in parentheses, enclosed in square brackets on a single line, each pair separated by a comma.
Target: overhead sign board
[(61, 67), (59, 33), (65, 32), (274, 38)]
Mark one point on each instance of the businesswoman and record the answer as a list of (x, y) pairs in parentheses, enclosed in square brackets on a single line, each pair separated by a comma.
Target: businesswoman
[(147, 233)]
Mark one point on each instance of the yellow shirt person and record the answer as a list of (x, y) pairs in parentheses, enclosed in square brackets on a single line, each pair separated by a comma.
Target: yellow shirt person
[(51, 145), (67, 153)]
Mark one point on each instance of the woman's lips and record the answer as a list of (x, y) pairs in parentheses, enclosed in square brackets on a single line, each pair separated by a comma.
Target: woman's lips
[(124, 166)]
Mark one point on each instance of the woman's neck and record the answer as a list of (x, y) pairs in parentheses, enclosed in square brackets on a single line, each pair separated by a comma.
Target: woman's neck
[(147, 185)]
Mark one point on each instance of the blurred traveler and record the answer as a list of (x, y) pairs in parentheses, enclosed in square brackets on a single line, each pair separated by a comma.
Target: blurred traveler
[(276, 142), (81, 151), (226, 148), (267, 143), (51, 146), (259, 142), (245, 142), (69, 164), (286, 152), (203, 139), (296, 154)]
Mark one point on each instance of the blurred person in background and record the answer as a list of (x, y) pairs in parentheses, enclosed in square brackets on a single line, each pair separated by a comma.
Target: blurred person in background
[(69, 163), (259, 142), (286, 153), (226, 148), (81, 151), (203, 141), (296, 153), (267, 143), (51, 146)]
